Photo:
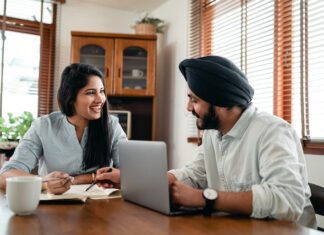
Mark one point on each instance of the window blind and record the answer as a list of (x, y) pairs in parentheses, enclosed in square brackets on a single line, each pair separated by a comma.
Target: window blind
[(259, 51), (37, 12), (314, 66), (222, 24), (283, 59), (194, 50), (29, 10), (243, 32), (279, 45)]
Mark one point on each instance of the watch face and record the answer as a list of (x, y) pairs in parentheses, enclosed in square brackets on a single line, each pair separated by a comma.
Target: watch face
[(210, 194)]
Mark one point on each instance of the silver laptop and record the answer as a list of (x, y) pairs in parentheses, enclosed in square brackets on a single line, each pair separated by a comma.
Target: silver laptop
[(143, 167)]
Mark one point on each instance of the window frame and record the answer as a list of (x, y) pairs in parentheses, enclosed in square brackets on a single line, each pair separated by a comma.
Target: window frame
[(47, 56)]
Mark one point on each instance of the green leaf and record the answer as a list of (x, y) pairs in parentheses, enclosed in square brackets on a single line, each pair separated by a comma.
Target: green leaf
[(14, 128), (158, 23)]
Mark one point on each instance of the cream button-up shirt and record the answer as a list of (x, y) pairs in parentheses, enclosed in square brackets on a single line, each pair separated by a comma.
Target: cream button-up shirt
[(261, 153)]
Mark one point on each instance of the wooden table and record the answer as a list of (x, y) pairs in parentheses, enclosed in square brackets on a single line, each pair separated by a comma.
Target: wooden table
[(117, 216)]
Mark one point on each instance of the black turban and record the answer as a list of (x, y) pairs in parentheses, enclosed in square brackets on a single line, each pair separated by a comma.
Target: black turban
[(217, 81)]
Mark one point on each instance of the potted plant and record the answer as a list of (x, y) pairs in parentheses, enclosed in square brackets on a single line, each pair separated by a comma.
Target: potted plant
[(12, 130), (149, 25)]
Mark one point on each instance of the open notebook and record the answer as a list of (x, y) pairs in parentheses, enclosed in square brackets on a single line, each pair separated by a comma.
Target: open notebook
[(78, 193)]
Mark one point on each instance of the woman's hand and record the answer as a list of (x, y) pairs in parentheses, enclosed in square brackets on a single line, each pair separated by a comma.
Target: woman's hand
[(57, 182), (108, 177)]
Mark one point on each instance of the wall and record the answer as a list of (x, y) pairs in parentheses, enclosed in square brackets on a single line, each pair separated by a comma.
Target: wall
[(172, 91), (77, 15), (315, 164)]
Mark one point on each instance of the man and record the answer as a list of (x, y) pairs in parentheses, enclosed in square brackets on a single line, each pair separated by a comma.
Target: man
[(250, 162)]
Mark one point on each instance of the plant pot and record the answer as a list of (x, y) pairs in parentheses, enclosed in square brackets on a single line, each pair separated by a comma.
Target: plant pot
[(144, 28), (7, 152), (8, 148)]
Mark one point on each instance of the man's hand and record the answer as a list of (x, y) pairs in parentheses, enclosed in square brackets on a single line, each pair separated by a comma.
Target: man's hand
[(171, 178), (185, 195), (108, 177)]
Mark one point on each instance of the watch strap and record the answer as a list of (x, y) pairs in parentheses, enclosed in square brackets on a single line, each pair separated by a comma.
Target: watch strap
[(209, 207)]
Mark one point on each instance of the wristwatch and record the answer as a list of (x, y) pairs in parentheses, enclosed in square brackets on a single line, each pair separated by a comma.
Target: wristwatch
[(210, 196)]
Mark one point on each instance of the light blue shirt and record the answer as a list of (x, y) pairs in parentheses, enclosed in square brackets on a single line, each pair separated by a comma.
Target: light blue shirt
[(261, 153), (51, 144)]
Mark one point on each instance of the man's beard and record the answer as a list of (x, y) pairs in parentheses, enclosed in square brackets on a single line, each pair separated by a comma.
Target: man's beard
[(209, 121)]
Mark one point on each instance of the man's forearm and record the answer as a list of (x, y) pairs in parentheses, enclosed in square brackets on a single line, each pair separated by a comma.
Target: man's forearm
[(234, 202)]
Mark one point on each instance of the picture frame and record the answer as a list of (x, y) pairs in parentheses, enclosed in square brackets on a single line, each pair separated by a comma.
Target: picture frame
[(125, 121)]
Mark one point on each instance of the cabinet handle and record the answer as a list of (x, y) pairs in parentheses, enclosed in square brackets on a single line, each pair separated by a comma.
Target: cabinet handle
[(107, 72), (119, 72)]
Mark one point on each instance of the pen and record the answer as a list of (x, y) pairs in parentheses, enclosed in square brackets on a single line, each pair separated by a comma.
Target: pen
[(93, 183)]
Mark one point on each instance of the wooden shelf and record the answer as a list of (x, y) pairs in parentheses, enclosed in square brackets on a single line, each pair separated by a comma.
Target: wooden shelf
[(133, 78), (134, 58), (93, 56)]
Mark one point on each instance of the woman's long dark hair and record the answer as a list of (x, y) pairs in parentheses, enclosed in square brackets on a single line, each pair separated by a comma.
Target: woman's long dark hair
[(97, 148)]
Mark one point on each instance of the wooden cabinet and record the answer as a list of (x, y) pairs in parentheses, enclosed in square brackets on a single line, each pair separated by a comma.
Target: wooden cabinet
[(128, 63)]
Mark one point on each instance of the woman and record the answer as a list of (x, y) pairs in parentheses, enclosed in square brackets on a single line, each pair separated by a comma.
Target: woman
[(70, 145)]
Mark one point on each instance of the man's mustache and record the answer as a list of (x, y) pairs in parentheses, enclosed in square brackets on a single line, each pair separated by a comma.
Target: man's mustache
[(195, 114)]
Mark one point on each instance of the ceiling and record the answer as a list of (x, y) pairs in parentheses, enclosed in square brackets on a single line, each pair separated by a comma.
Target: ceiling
[(137, 6)]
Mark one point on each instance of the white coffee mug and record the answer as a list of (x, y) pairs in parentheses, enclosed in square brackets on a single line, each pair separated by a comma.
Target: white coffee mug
[(137, 73), (23, 193)]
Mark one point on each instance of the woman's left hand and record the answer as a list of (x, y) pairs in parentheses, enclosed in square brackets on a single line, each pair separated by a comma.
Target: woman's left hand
[(108, 177)]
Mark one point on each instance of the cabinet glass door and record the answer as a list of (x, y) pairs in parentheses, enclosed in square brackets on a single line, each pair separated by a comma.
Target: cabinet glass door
[(94, 55), (134, 68), (98, 52), (135, 63)]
